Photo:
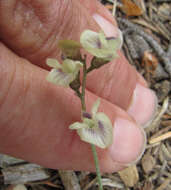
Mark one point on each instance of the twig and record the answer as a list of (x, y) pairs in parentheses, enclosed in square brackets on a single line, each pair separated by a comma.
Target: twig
[(6, 161), (140, 45), (166, 152), (114, 8), (90, 184), (159, 51), (131, 47), (159, 116), (163, 130), (169, 51), (112, 183), (24, 173), (69, 180), (164, 185), (152, 145)]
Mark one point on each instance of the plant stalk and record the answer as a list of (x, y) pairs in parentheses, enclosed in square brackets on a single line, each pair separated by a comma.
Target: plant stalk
[(97, 166), (84, 109), (83, 87)]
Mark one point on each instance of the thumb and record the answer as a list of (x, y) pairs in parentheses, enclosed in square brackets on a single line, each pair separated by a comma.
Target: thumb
[(32, 28)]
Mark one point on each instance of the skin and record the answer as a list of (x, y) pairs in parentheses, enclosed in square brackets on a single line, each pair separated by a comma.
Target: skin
[(35, 114)]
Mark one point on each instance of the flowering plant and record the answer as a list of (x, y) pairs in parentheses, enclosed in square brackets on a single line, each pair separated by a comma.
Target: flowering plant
[(99, 45), (63, 74), (96, 127)]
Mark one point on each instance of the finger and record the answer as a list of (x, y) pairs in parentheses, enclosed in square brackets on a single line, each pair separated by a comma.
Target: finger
[(44, 26), (32, 28), (35, 115), (142, 104)]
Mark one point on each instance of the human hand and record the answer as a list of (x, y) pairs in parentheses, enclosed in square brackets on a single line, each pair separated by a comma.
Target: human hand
[(35, 114)]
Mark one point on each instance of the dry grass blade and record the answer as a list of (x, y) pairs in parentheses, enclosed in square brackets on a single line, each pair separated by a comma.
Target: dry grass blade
[(160, 138), (145, 24), (90, 184)]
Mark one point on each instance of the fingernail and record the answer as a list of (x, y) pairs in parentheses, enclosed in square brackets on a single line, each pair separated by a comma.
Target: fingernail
[(129, 142), (143, 105), (108, 28)]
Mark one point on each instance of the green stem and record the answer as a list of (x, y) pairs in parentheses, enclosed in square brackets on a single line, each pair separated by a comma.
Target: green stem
[(92, 146), (90, 69), (97, 166), (83, 86)]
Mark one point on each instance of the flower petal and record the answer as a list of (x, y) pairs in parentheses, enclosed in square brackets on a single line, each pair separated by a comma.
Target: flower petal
[(120, 37), (70, 66), (57, 76), (78, 125), (78, 65), (53, 63), (100, 116), (101, 136), (95, 107), (114, 45), (103, 40), (100, 46), (92, 43), (89, 39), (90, 122)]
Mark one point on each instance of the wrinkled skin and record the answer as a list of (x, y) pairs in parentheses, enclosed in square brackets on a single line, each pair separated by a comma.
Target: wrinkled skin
[(35, 114)]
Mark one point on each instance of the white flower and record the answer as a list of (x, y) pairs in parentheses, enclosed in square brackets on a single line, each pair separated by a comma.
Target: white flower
[(101, 46), (63, 74), (96, 127)]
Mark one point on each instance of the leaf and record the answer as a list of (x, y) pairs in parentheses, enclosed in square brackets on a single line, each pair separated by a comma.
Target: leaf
[(78, 125), (51, 184), (131, 9), (53, 63)]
